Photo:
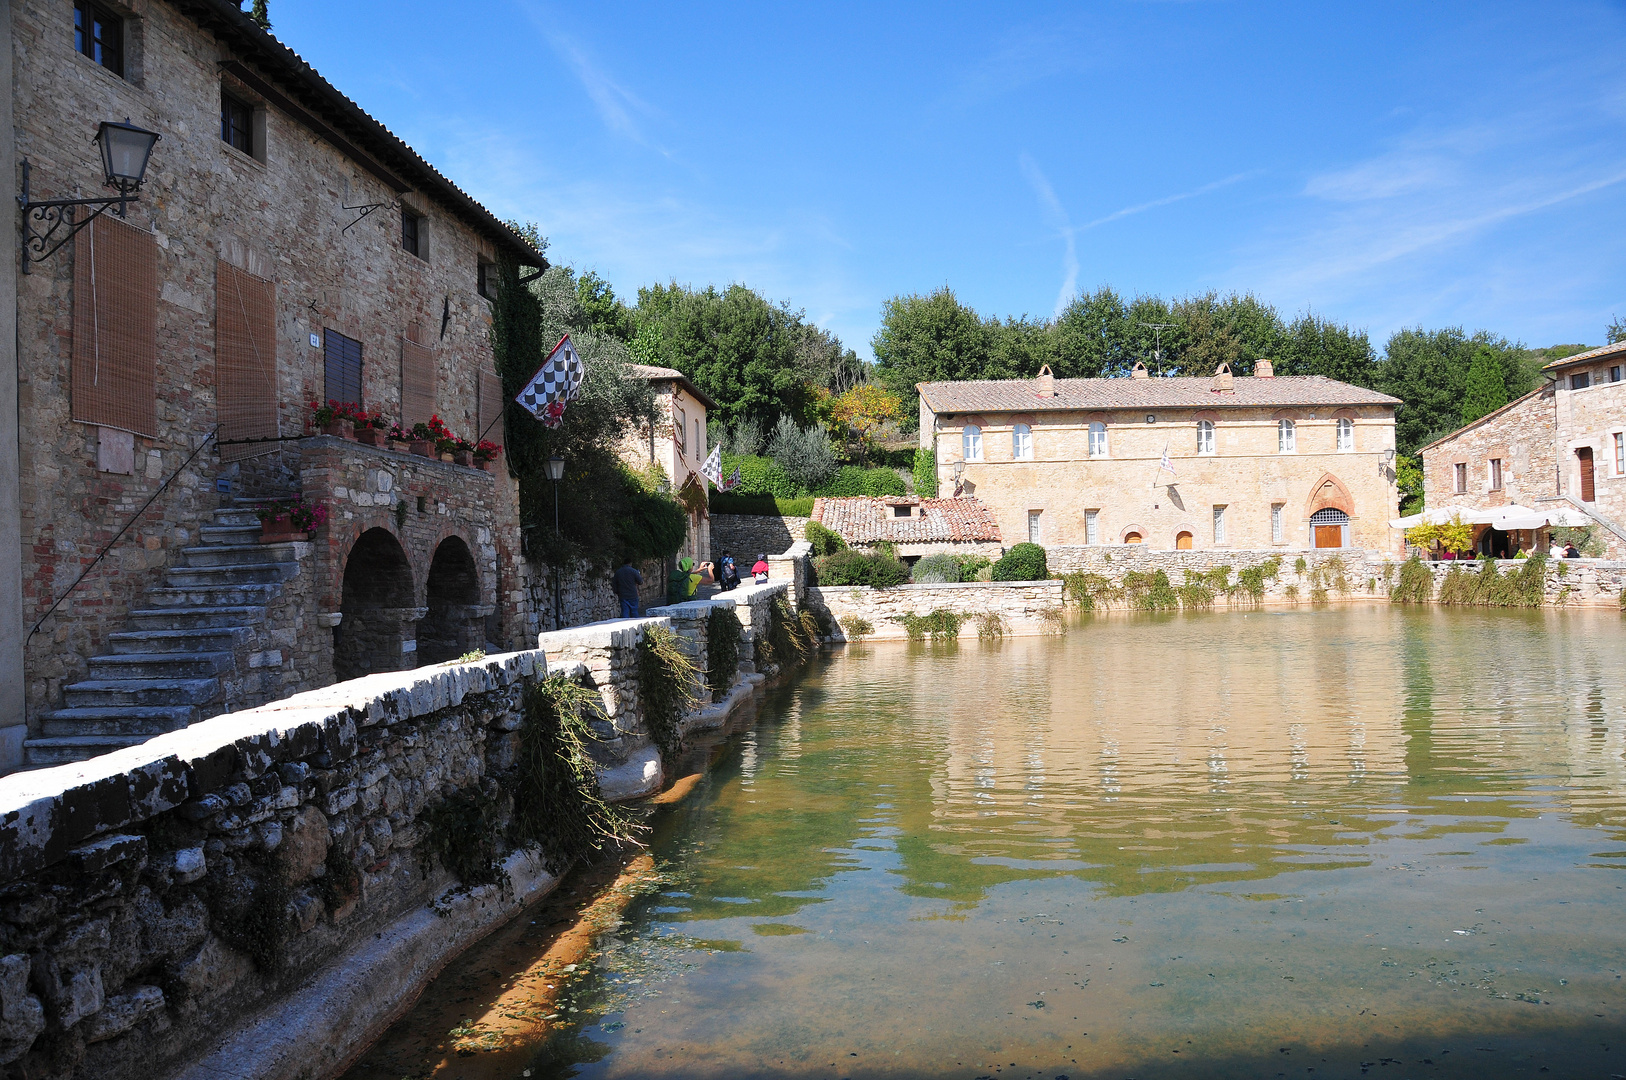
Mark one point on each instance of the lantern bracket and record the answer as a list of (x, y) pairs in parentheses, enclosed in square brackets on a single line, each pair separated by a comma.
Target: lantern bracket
[(44, 219)]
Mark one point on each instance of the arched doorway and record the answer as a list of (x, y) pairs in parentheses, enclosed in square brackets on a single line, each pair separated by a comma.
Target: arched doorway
[(377, 598), (1182, 541), (1330, 528), (453, 623), (1132, 538)]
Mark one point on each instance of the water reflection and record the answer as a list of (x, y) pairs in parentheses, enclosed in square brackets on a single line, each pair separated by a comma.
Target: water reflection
[(1320, 830)]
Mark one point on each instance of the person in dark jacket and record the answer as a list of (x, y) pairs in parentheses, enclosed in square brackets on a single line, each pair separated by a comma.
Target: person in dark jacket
[(728, 575), (626, 581)]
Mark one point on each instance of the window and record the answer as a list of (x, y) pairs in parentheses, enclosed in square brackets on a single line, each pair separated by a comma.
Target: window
[(99, 34), (409, 232), (418, 378), (1620, 454), (1496, 474), (1614, 373), (699, 440), (1033, 526), (1219, 525), (1346, 435), (1286, 437), (1205, 436), (115, 327), (485, 279), (1460, 478), (1098, 439), (1278, 528), (236, 124), (245, 363), (342, 367), (901, 510), (1580, 380), (1092, 530), (971, 443), (682, 419), (1021, 443)]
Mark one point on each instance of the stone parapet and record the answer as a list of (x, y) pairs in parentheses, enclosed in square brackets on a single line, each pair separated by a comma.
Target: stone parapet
[(1020, 605)]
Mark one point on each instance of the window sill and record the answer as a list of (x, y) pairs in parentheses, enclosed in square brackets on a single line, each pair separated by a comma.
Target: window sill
[(236, 155)]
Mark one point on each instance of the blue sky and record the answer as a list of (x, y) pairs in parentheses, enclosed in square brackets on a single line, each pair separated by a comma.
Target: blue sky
[(1385, 165)]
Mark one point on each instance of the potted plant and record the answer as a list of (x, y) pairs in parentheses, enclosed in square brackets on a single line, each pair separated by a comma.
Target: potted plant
[(464, 454), (330, 419), (485, 454), (370, 428), (445, 441), (421, 439), (400, 439), (289, 519)]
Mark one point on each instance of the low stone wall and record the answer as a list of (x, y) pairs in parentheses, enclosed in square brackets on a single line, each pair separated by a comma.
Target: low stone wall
[(1569, 582), (750, 535), (586, 597), (1021, 604)]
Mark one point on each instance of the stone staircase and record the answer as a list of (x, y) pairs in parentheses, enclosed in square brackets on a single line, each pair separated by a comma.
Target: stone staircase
[(186, 649)]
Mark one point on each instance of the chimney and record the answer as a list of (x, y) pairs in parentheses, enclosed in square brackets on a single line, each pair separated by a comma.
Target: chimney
[(1138, 371), (1222, 379), (1047, 382), (1263, 370)]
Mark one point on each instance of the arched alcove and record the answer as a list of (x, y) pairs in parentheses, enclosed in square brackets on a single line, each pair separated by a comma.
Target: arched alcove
[(377, 596), (454, 623)]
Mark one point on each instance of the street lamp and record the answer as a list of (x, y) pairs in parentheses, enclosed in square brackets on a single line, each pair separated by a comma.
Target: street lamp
[(125, 150), (555, 469)]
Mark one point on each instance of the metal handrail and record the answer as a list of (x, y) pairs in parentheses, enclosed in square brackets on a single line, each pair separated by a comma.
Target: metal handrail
[(100, 555)]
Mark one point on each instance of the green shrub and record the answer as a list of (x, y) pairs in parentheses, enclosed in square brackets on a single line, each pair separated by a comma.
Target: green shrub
[(940, 569), (760, 505), (972, 565), (1089, 591), (1024, 562), (990, 624), (857, 627), (1052, 620), (760, 476), (937, 624), (803, 453), (666, 677), (851, 481), (859, 568), (926, 472), (825, 541), (1149, 591), (1524, 587), (1197, 592), (723, 633), (1416, 584)]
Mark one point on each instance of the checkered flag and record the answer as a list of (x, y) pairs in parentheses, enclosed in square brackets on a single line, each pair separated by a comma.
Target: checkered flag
[(555, 384), (733, 480), (713, 468)]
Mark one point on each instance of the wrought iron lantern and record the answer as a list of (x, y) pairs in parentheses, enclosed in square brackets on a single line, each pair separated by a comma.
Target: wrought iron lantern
[(126, 151)]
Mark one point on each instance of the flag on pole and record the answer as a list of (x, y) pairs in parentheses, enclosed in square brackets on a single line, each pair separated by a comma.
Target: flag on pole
[(733, 480), (1167, 465), (555, 384), (713, 468)]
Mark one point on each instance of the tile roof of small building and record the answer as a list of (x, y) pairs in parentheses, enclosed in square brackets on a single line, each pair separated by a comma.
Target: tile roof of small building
[(1022, 395), (656, 374), (1617, 348), (871, 520)]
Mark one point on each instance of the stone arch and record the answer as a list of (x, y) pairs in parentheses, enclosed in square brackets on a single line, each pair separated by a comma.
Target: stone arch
[(1132, 530), (375, 605), (1288, 414), (1329, 491), (453, 621)]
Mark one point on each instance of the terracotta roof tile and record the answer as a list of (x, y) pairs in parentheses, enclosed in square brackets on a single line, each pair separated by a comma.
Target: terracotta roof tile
[(871, 520), (1022, 395), (1590, 354)]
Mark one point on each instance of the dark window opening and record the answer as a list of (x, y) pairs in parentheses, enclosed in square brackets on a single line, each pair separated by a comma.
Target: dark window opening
[(487, 280), (1460, 478), (99, 34), (342, 358), (1581, 381), (237, 124), (900, 511), (1588, 485), (1614, 373), (409, 232)]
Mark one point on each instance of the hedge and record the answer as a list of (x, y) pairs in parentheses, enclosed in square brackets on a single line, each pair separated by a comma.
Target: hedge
[(1024, 562)]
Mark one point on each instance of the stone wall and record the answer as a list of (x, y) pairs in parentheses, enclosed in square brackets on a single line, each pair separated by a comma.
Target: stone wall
[(1020, 604), (586, 597), (750, 535), (1520, 435), (1595, 417)]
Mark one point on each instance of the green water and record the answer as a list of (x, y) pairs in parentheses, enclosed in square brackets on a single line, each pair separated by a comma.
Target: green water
[(1358, 841)]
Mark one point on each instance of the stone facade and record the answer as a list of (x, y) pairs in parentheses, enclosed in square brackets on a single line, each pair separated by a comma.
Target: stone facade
[(277, 216), (1593, 418), (1519, 436), (675, 442), (1223, 438), (1021, 605)]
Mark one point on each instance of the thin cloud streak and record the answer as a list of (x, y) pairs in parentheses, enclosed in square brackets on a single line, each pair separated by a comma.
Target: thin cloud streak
[(1063, 224), (1167, 199)]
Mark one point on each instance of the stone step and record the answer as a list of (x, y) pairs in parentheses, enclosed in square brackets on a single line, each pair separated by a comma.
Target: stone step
[(230, 534), (236, 517), (212, 595), (108, 693), (129, 720), (161, 665), (212, 616), (252, 554), (206, 639), (259, 573), (43, 753)]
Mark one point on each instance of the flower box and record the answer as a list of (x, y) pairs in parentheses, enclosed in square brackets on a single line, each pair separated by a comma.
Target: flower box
[(369, 436), (447, 458), (339, 429), (401, 446), (463, 457), (421, 447), (280, 530)]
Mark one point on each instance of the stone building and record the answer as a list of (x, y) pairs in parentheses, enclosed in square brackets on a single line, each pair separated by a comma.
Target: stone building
[(1172, 463), (284, 248), (915, 527), (1557, 453), (676, 442)]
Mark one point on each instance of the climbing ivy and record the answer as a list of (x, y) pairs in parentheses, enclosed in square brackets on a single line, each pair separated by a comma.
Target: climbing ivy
[(723, 633), (666, 677)]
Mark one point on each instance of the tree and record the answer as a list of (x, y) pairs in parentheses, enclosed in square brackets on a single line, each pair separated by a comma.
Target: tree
[(1312, 345), (1428, 372), (862, 410), (602, 310), (929, 338), (1616, 330), (1485, 388), (804, 453)]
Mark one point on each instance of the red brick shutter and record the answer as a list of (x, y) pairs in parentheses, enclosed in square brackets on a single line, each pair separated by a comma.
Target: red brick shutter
[(245, 362), (417, 378), (114, 373)]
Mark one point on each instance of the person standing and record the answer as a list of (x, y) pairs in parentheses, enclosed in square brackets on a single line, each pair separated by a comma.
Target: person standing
[(626, 581), (759, 570)]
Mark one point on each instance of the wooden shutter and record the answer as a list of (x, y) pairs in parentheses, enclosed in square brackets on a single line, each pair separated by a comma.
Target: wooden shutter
[(1588, 490), (114, 378), (490, 406), (343, 367), (417, 378), (245, 362)]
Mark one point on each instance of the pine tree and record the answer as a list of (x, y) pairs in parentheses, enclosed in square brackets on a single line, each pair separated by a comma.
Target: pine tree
[(1485, 389)]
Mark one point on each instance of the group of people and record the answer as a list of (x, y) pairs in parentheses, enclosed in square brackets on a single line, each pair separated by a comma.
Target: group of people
[(686, 579)]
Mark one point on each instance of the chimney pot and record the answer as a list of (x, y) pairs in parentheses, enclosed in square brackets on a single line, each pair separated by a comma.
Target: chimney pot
[(1139, 371), (1222, 379), (1047, 382), (1263, 370)]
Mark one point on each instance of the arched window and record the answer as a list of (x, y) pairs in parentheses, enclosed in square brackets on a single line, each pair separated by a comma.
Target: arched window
[(1346, 435), (1205, 436), (1021, 443), (1098, 439), (1132, 538), (1286, 437), (971, 443)]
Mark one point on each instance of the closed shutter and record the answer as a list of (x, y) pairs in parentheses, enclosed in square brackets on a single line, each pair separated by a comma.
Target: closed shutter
[(1588, 484), (343, 368), (417, 379), (245, 363), (114, 379), (490, 406)]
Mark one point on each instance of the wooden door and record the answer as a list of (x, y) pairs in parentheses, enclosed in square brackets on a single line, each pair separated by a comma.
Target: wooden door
[(1588, 493), (1329, 536), (1182, 542)]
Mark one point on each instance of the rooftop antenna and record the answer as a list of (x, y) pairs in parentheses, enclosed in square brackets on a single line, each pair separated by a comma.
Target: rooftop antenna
[(1157, 329)]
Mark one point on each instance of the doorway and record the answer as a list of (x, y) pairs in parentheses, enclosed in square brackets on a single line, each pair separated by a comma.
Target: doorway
[(452, 626), (377, 596), (1330, 528), (1583, 454), (1182, 541)]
